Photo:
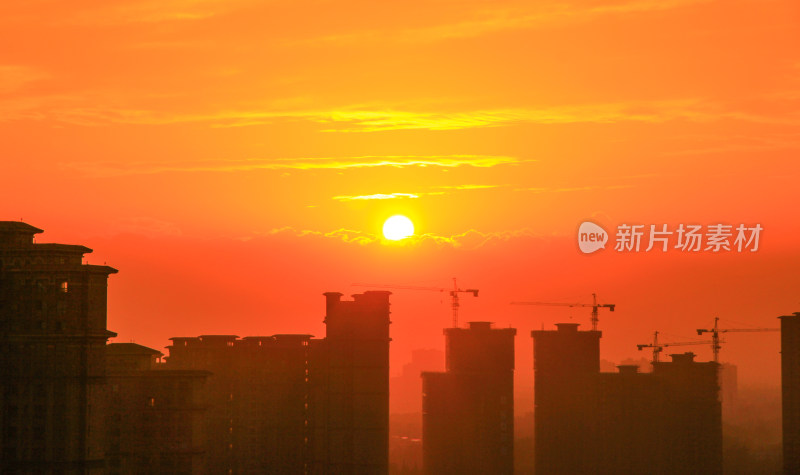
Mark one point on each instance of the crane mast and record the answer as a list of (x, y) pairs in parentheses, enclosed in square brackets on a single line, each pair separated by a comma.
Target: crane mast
[(716, 330)]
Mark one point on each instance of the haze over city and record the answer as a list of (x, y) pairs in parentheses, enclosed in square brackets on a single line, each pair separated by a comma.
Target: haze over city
[(236, 159)]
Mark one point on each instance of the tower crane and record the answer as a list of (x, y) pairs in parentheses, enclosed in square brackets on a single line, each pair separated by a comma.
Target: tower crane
[(659, 347), (716, 330), (454, 294), (595, 307)]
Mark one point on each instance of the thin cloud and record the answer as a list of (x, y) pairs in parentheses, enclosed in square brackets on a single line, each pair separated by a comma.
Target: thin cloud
[(568, 189), (741, 144), (417, 194), (76, 110), (155, 11), (469, 187), (493, 20), (376, 196), (106, 169), (14, 77), (468, 240)]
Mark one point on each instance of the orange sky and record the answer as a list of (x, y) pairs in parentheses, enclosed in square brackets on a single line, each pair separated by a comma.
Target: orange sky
[(221, 154)]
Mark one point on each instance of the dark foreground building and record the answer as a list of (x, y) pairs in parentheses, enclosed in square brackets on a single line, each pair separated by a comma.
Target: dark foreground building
[(154, 416), (790, 383), (52, 346), (291, 404), (353, 386), (468, 410), (666, 422), (566, 363), (257, 396)]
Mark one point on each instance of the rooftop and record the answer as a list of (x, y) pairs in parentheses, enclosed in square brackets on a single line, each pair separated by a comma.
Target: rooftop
[(18, 227), (119, 349)]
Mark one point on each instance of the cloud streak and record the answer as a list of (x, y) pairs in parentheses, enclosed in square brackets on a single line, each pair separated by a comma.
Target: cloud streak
[(105, 169), (416, 194), (152, 11), (378, 196), (71, 110), (468, 240), (14, 77), (487, 21)]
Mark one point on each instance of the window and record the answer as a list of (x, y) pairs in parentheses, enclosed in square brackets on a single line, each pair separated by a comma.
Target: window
[(65, 286)]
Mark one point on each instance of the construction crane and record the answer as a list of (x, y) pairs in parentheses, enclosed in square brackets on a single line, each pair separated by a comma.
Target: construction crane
[(716, 330), (454, 297), (659, 347), (595, 307)]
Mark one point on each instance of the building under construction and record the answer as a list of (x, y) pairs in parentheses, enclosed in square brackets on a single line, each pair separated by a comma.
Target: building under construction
[(668, 421), (292, 404), (52, 337), (468, 410), (790, 385)]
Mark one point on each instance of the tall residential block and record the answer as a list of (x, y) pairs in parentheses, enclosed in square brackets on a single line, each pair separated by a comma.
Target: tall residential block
[(790, 384), (52, 340), (468, 410), (355, 363)]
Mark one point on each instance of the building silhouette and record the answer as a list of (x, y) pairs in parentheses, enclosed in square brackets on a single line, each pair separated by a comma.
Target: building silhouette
[(468, 410), (154, 419), (352, 386), (668, 421), (790, 388), (566, 363), (256, 421), (52, 338), (292, 404)]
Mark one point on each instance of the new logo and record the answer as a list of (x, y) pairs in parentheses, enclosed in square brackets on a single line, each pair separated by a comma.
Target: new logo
[(591, 237)]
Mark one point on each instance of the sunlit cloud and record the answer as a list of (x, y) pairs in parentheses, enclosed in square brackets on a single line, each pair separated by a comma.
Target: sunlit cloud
[(377, 196), (529, 15), (568, 189), (417, 194), (469, 187), (388, 119), (77, 110), (104, 169), (740, 144), (154, 11), (345, 235), (468, 240)]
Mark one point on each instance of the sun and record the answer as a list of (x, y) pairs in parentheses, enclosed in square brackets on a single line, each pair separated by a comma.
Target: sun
[(398, 227)]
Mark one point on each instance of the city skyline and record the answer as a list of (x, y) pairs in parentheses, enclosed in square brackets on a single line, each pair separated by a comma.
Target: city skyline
[(291, 403), (236, 171)]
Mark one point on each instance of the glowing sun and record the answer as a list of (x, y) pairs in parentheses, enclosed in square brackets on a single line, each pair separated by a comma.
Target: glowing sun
[(398, 227)]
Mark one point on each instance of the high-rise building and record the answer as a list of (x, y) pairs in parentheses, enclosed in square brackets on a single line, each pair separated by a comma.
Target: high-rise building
[(668, 421), (291, 404), (354, 362), (566, 364), (688, 430), (790, 384), (257, 396), (468, 410), (154, 418), (52, 340)]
